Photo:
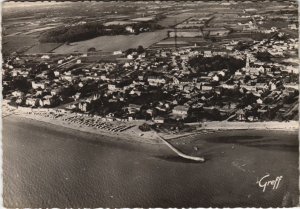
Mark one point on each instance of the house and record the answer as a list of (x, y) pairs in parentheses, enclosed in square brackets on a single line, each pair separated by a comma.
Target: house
[(141, 77), (39, 92), (104, 78), (77, 96), (238, 74), (84, 106), (207, 54), (250, 10), (181, 110), (203, 98), (227, 86), (133, 108), (255, 71), (262, 111), (188, 88), (240, 115), (159, 120), (45, 57), (252, 118), (222, 73), (16, 72), (206, 88), (18, 93), (129, 56), (117, 52), (292, 26), (20, 101), (55, 91), (38, 85), (130, 29), (47, 100), (230, 106), (32, 101), (156, 80), (114, 87), (215, 78), (132, 92), (259, 101), (273, 86), (56, 73), (67, 78), (150, 112), (95, 97)]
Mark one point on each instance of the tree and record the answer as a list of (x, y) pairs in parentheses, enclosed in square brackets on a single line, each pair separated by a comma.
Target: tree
[(92, 49), (263, 56), (140, 49), (21, 84), (144, 127)]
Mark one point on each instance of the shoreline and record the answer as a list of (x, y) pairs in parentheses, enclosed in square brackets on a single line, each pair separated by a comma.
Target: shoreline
[(240, 125), (129, 131), (133, 134), (112, 136)]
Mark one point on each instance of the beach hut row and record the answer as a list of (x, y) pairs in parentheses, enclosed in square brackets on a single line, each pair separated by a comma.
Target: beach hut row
[(97, 123)]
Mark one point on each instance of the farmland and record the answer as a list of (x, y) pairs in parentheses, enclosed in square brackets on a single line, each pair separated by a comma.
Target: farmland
[(141, 19), (42, 48), (39, 30), (182, 41), (22, 31), (114, 43), (172, 20), (119, 23), (17, 43)]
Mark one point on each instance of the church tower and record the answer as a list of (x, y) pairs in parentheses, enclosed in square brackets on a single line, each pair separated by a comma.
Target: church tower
[(247, 62)]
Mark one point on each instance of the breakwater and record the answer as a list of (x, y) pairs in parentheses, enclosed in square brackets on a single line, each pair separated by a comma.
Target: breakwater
[(199, 159)]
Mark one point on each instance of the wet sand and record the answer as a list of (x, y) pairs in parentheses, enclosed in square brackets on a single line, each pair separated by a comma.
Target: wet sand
[(50, 166)]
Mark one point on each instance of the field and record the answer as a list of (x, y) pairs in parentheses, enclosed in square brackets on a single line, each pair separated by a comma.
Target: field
[(39, 30), (113, 43), (185, 40), (15, 29), (119, 23), (42, 48), (17, 43), (182, 41), (172, 20), (141, 19), (171, 42), (188, 33)]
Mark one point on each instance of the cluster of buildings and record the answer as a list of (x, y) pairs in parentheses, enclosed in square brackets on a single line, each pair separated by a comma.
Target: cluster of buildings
[(252, 80), (160, 85)]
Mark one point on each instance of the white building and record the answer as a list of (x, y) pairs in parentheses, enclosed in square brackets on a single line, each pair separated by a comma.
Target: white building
[(38, 85), (180, 110), (130, 29)]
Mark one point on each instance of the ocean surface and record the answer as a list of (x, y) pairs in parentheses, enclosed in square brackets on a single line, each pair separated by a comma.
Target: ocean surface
[(51, 166)]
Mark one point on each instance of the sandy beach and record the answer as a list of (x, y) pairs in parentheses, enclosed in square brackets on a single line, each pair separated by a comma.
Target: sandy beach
[(133, 132)]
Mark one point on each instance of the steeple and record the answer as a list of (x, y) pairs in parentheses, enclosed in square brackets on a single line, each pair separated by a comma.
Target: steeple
[(247, 61)]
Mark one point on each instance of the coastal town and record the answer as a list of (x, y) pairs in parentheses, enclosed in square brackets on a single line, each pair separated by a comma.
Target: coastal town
[(150, 104), (207, 69)]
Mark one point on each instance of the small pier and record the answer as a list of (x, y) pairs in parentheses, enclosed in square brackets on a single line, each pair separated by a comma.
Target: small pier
[(198, 159)]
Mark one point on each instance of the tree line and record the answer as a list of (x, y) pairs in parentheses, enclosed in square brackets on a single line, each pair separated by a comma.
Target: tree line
[(86, 31), (206, 64)]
